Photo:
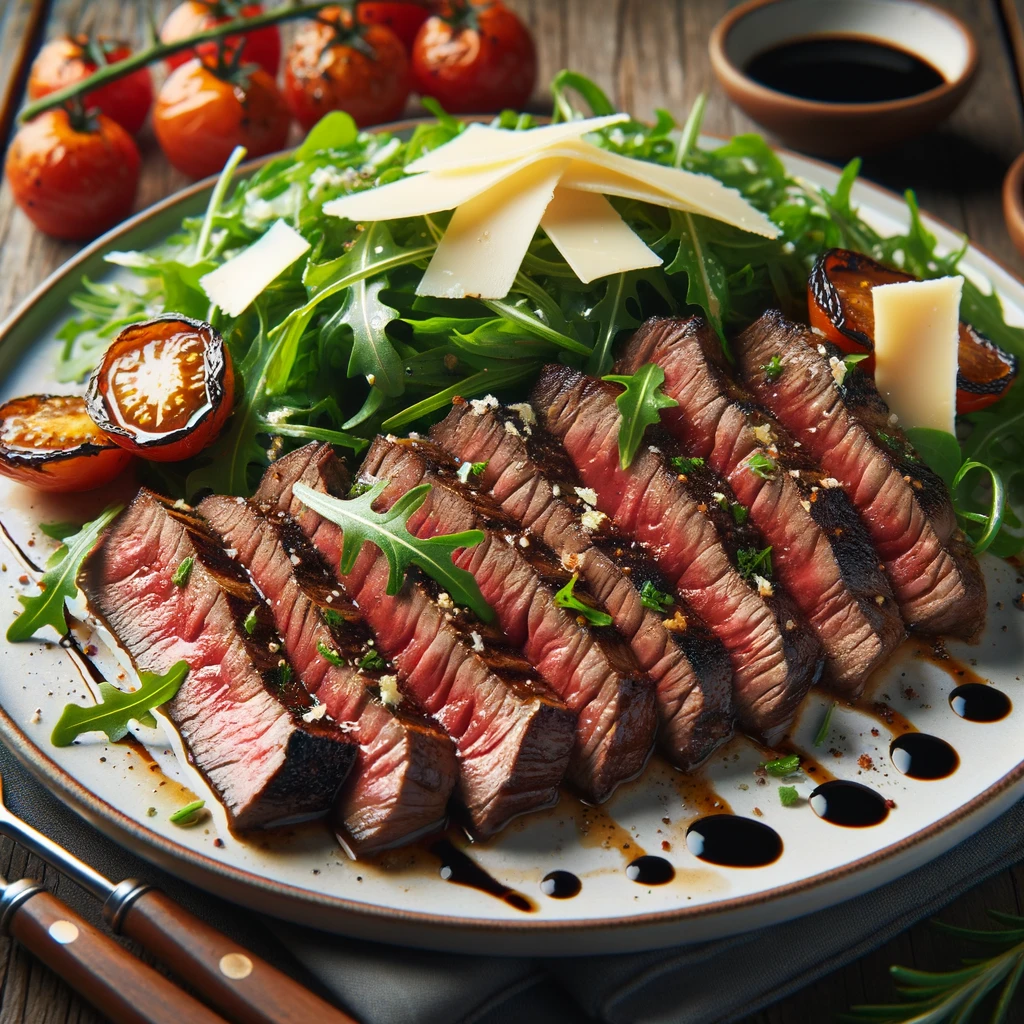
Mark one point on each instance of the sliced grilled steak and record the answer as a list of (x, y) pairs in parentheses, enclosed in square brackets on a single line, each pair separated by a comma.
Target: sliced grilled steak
[(820, 551), (773, 654), (525, 469), (591, 668), (513, 736), (406, 769), (240, 707), (904, 506)]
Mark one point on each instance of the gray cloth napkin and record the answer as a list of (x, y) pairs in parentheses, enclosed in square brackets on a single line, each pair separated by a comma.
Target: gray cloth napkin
[(380, 984)]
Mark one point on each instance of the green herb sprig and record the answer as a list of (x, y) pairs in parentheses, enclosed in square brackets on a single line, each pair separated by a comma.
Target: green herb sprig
[(782, 766), (655, 599), (387, 531), (640, 406), (565, 598)]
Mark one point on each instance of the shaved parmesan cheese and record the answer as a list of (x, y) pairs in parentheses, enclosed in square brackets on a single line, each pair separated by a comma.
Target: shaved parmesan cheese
[(487, 238), (587, 177), (593, 238), (235, 284), (917, 326), (482, 146)]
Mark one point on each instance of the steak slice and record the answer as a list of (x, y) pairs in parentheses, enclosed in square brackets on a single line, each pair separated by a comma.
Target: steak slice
[(820, 551), (774, 657), (405, 770), (240, 707), (527, 471), (904, 506), (512, 735), (590, 667)]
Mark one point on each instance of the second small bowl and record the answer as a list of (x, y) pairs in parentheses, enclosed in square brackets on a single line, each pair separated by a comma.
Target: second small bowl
[(933, 35)]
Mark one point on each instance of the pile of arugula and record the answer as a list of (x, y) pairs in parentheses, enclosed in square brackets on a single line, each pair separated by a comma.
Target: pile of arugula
[(340, 347)]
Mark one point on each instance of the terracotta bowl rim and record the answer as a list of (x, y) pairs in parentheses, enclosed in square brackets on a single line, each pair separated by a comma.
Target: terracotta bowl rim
[(1013, 202), (732, 75)]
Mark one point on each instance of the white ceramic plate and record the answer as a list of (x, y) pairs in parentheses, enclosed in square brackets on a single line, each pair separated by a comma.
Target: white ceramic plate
[(402, 897)]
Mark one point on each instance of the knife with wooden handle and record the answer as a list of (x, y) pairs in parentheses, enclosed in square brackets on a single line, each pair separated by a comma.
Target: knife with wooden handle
[(120, 986), (241, 985)]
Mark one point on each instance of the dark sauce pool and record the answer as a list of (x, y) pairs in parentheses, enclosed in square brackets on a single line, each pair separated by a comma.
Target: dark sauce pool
[(842, 69), (460, 869), (849, 804), (921, 756), (979, 702), (649, 870), (733, 842), (560, 885)]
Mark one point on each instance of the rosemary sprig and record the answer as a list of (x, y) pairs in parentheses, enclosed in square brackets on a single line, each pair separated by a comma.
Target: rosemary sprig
[(954, 997), (152, 54)]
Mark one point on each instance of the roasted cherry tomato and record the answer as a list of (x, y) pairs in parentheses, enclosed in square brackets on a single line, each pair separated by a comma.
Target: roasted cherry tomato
[(333, 65), (66, 61), (475, 57), (164, 388), (840, 306), (403, 18), (49, 442), (201, 116), (73, 181), (262, 47)]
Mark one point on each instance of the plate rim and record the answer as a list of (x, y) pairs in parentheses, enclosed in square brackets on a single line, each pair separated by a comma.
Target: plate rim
[(144, 842)]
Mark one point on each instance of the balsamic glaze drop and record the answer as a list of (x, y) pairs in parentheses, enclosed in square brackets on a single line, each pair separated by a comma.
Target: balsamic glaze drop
[(920, 756), (733, 842), (978, 702), (648, 870), (560, 885), (458, 868), (849, 803)]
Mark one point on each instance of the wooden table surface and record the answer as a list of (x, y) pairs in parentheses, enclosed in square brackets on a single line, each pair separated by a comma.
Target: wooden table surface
[(646, 54)]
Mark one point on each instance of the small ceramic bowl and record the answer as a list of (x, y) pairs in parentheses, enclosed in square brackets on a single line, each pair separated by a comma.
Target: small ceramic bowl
[(843, 129), (1013, 202)]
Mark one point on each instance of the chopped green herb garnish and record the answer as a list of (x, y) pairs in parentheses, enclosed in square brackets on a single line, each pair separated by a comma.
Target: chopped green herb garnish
[(182, 573), (119, 707), (773, 368), (686, 465), (639, 406), (250, 621), (373, 660), (854, 358), (284, 673), (189, 815), (782, 766), (331, 617), (740, 513), (788, 795), (477, 468), (826, 724), (329, 654), (358, 489), (565, 598), (753, 562), (762, 465), (655, 599)]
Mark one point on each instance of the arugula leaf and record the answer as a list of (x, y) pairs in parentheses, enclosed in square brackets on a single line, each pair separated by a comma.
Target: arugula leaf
[(939, 449), (753, 562), (640, 406), (740, 513), (773, 368), (119, 707), (58, 584), (782, 766), (707, 285), (183, 572), (329, 654), (60, 531), (788, 796), (565, 598), (372, 660), (686, 465), (335, 130), (655, 599), (387, 532)]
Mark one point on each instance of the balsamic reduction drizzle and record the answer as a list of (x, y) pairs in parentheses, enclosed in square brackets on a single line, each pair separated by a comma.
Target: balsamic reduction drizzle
[(850, 804), (460, 869), (979, 702), (560, 885), (733, 842), (650, 870), (921, 756)]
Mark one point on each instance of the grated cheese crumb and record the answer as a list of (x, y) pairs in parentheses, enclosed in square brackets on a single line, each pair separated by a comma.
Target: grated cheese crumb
[(822, 351), (511, 428), (790, 624), (830, 482), (444, 600), (525, 412), (763, 433), (677, 624), (839, 369), (478, 641), (315, 713), (481, 405), (556, 491), (592, 519), (806, 505), (524, 542), (389, 692), (795, 473), (764, 587), (37, 716), (588, 494)]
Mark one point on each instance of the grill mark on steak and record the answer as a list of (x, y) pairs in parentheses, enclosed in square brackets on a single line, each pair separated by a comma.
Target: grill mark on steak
[(905, 508), (825, 562), (513, 736), (237, 711), (405, 770), (774, 656), (589, 667), (528, 472)]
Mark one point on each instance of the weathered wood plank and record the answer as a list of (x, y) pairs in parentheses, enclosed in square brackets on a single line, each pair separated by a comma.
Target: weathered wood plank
[(20, 22)]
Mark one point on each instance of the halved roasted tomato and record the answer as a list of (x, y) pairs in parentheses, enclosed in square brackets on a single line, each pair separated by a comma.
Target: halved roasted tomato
[(49, 442), (840, 307), (164, 388)]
